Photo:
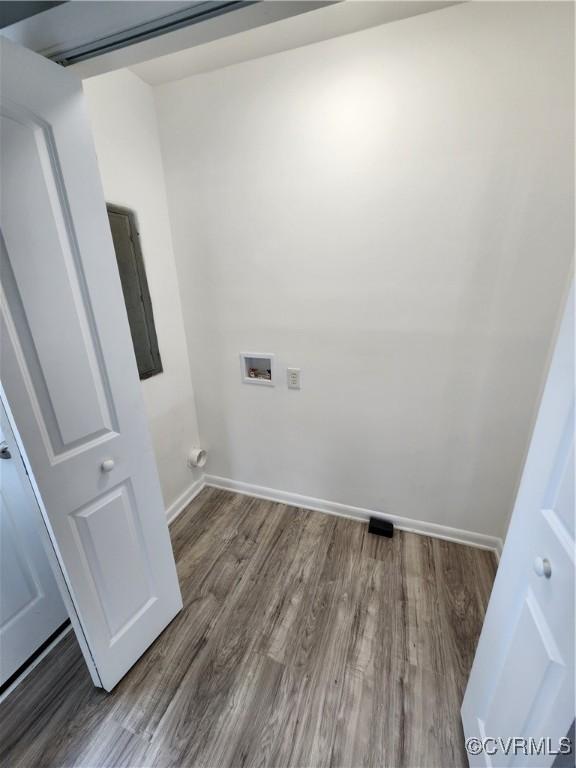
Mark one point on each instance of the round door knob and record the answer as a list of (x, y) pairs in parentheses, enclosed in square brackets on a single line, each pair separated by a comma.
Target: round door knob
[(542, 567), (107, 465)]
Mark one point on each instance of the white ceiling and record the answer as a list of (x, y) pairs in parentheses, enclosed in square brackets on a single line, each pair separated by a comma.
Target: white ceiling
[(309, 27)]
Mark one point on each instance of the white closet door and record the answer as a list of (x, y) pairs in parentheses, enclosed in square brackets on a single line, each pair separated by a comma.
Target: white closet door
[(522, 679), (68, 368), (31, 607)]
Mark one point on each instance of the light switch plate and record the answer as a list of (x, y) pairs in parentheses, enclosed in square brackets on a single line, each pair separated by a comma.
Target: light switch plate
[(293, 378)]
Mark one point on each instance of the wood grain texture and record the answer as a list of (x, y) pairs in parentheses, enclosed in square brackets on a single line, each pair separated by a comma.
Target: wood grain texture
[(304, 641)]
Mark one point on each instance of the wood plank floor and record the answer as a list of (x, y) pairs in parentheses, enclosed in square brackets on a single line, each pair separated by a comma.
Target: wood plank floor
[(304, 642)]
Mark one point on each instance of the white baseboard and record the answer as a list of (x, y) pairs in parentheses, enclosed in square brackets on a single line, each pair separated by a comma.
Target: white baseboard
[(180, 504), (470, 538)]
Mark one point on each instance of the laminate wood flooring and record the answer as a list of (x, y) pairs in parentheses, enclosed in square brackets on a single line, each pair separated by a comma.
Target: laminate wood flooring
[(304, 641)]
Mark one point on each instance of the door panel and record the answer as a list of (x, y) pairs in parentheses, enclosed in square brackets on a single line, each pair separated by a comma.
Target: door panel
[(116, 510), (522, 679), (17, 567), (31, 608), (49, 260), (531, 646), (69, 372)]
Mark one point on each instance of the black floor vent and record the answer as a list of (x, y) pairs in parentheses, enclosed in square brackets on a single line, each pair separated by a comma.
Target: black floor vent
[(380, 527)]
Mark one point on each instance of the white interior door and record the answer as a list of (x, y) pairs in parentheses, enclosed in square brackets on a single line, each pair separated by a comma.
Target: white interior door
[(68, 368), (31, 607), (522, 679)]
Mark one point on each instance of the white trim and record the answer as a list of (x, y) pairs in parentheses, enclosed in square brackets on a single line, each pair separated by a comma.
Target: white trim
[(480, 540), (180, 504), (35, 663), (498, 550)]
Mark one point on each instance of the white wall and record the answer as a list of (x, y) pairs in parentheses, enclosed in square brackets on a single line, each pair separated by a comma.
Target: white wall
[(126, 136), (391, 211)]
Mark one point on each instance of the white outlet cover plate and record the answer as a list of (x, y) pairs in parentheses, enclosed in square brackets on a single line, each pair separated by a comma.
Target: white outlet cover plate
[(293, 378)]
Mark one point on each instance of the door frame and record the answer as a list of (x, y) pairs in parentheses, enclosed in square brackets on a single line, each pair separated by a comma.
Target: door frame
[(52, 554)]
